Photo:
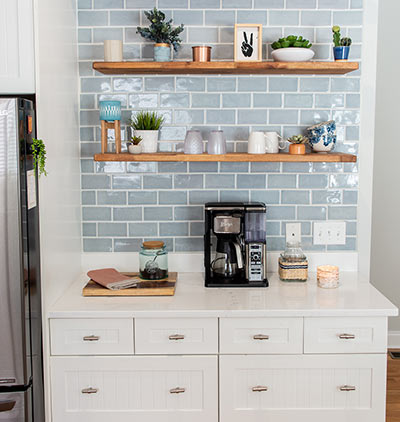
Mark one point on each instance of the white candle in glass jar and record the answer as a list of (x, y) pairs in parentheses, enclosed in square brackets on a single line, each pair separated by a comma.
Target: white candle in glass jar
[(328, 276), (113, 51)]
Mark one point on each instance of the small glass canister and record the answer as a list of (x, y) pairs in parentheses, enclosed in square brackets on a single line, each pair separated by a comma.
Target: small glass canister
[(153, 260), (293, 264), (328, 276)]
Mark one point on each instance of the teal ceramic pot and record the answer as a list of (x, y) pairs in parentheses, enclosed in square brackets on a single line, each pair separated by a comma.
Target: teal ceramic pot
[(110, 110), (162, 52)]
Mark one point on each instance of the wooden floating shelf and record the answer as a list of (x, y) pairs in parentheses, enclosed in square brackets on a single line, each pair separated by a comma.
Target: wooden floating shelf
[(230, 157), (226, 68)]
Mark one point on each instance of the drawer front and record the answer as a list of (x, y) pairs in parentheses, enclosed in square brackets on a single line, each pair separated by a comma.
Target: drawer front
[(345, 335), (91, 336), (310, 388), (261, 335), (135, 388), (176, 336)]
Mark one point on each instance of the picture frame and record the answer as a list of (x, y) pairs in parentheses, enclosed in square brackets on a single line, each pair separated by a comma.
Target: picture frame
[(248, 42)]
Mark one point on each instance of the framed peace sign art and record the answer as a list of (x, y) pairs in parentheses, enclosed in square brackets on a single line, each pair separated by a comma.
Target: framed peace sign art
[(248, 42)]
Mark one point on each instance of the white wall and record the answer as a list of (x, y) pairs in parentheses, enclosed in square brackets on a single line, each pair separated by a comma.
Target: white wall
[(385, 248), (57, 118)]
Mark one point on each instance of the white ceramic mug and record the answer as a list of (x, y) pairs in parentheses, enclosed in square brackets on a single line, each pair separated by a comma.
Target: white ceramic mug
[(256, 143), (273, 142), (113, 51)]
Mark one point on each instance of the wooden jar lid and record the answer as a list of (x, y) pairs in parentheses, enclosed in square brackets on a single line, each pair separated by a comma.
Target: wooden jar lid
[(153, 244)]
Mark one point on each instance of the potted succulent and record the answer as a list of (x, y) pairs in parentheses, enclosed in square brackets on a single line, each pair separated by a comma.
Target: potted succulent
[(146, 125), (292, 49), (38, 149), (134, 146), (298, 144), (341, 47), (161, 32)]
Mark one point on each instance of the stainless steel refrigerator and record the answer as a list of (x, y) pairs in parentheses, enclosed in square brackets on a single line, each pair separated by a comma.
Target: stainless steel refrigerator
[(21, 374)]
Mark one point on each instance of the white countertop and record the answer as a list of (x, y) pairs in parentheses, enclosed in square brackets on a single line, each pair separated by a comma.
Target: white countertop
[(354, 297)]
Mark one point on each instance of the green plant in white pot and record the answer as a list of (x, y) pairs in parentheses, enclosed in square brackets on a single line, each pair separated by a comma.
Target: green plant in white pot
[(146, 125)]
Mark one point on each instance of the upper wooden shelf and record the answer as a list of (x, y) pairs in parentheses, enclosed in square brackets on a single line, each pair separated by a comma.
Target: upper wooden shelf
[(228, 68), (230, 157)]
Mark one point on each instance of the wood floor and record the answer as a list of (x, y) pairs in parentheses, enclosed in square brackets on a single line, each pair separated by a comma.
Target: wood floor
[(393, 390)]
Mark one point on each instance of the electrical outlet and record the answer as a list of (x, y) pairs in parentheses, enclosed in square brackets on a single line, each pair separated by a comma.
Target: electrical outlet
[(330, 233), (293, 232)]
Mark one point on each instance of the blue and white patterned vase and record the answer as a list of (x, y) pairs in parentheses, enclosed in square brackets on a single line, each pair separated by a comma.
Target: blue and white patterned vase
[(162, 52), (322, 137)]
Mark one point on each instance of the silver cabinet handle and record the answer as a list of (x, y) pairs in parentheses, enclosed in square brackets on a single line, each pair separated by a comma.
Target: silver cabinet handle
[(7, 380), (347, 388), (260, 337), (91, 338), (90, 390), (177, 390), (176, 337), (259, 389), (346, 336)]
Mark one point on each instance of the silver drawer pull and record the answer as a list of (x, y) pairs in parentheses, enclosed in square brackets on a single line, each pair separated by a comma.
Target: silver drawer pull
[(347, 336), (8, 380), (259, 389), (347, 388), (176, 337), (260, 337), (90, 390), (91, 338), (177, 390)]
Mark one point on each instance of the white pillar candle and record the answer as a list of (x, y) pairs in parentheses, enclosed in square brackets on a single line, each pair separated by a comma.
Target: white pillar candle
[(113, 51)]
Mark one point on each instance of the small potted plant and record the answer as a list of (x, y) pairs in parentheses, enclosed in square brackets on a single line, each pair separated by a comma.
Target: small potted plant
[(341, 47), (298, 144), (161, 32), (38, 149), (134, 146), (292, 49), (146, 125)]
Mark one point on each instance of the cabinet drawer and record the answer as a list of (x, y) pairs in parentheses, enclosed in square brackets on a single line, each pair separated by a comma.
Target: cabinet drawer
[(135, 388), (261, 335), (345, 335), (315, 388), (176, 336), (91, 336)]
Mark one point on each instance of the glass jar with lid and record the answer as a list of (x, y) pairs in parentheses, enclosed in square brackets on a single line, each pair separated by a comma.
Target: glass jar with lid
[(153, 260), (293, 264)]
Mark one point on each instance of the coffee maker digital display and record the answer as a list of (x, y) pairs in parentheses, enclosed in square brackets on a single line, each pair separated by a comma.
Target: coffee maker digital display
[(235, 244)]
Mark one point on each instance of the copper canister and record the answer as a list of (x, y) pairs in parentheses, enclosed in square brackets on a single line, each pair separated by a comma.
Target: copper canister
[(201, 53)]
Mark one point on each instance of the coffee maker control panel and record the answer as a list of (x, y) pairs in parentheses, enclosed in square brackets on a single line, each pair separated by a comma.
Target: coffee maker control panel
[(255, 264)]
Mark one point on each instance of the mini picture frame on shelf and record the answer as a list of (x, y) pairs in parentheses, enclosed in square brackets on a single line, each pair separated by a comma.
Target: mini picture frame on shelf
[(248, 42)]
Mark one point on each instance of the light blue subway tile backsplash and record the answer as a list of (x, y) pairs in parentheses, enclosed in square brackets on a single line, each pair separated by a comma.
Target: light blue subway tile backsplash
[(126, 203)]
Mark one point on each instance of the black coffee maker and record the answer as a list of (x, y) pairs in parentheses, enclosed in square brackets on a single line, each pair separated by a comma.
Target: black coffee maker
[(235, 244)]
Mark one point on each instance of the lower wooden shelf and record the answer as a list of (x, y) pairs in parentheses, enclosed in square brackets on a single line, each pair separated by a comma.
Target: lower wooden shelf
[(230, 157)]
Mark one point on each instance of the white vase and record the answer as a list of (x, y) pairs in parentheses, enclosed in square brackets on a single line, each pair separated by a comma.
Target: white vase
[(149, 140), (135, 149)]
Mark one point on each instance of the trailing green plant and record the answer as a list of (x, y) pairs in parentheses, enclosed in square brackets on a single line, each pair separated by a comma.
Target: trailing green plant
[(160, 30), (147, 120), (135, 140), (291, 41), (338, 41), (39, 156), (298, 139)]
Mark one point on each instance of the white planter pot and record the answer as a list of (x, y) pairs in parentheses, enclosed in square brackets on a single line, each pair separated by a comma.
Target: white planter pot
[(292, 54), (149, 142), (135, 149)]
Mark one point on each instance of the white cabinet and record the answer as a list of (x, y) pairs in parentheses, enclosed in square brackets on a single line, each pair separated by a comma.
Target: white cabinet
[(327, 388), (176, 336), (135, 388), (17, 65)]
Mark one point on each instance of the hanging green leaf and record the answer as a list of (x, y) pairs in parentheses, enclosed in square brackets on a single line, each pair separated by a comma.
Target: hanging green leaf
[(39, 156)]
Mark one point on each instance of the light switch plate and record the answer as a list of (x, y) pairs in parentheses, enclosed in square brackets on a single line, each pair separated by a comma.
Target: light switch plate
[(293, 232), (330, 233)]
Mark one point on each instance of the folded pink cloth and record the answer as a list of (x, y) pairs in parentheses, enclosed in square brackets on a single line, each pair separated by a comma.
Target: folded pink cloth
[(112, 279)]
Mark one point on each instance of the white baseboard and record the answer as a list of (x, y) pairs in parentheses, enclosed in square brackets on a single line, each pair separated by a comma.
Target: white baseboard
[(194, 262), (394, 340)]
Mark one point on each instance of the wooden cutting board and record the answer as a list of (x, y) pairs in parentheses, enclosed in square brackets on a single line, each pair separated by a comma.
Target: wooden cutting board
[(164, 287)]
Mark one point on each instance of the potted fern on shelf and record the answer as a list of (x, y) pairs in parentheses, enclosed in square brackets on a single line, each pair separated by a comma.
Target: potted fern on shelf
[(161, 32), (146, 125)]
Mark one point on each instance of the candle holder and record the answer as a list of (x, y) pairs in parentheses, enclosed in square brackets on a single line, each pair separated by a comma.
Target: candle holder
[(201, 53), (110, 117)]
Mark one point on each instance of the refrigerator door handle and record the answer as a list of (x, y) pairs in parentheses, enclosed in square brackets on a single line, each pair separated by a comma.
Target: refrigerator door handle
[(7, 405)]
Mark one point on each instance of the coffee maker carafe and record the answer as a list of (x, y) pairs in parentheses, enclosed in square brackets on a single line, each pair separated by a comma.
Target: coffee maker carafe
[(235, 245)]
